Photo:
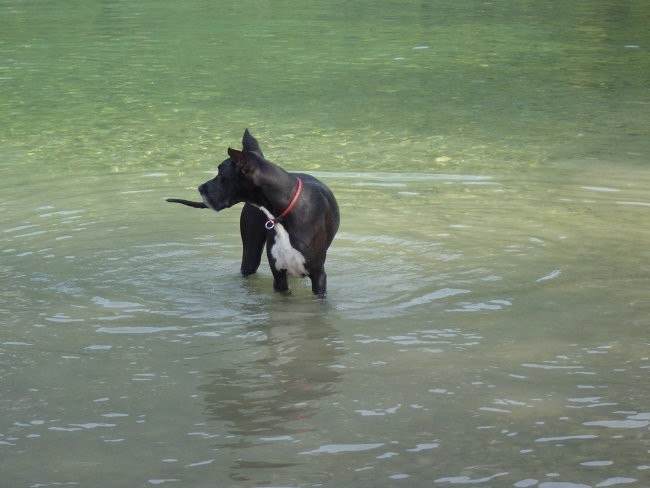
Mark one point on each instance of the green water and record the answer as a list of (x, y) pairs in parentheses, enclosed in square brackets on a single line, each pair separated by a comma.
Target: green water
[(488, 315)]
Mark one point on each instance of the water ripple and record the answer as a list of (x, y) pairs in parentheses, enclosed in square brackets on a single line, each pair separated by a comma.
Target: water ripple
[(136, 330), (339, 448)]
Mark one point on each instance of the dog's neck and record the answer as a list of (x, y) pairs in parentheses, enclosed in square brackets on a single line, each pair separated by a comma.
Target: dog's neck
[(277, 189)]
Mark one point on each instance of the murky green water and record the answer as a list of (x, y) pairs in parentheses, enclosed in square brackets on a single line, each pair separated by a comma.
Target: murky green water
[(488, 316)]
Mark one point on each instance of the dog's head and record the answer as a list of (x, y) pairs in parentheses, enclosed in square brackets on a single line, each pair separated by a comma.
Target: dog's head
[(236, 180)]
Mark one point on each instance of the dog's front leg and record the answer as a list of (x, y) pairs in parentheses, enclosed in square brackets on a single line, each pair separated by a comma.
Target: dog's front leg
[(253, 237), (280, 277), (280, 280)]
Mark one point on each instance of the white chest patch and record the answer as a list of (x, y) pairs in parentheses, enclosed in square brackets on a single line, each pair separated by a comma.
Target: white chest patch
[(286, 256)]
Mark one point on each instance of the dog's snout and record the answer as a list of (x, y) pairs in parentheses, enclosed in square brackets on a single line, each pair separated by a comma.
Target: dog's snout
[(201, 188)]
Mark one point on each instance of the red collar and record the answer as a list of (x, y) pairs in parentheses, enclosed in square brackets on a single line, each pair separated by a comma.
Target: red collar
[(276, 220)]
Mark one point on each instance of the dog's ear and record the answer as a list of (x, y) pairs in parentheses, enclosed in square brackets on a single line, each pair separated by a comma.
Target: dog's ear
[(249, 143), (241, 165), (245, 162)]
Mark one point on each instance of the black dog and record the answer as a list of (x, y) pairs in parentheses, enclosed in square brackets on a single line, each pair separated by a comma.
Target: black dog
[(294, 214)]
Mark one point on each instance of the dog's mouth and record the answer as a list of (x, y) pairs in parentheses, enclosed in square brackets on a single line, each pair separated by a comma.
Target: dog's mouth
[(215, 206), (206, 202)]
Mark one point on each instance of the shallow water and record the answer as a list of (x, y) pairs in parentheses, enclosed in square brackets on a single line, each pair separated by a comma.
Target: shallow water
[(487, 319)]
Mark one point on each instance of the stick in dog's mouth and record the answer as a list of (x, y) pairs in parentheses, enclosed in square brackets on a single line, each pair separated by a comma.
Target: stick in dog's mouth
[(189, 203)]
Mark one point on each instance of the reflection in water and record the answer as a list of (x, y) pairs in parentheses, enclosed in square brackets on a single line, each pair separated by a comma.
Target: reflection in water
[(291, 368)]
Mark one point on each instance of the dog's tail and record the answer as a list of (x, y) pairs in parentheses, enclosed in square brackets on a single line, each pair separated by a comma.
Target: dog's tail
[(187, 202)]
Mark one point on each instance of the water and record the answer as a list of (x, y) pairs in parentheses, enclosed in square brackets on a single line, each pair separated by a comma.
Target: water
[(487, 321)]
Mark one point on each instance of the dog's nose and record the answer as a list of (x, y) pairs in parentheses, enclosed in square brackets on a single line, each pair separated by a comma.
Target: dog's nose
[(201, 188)]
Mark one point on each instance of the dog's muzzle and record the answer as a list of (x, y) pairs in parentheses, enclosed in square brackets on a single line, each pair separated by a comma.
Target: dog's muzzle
[(204, 196)]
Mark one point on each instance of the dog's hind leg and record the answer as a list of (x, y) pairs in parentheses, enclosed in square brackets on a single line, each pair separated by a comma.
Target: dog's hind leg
[(318, 279), (253, 237)]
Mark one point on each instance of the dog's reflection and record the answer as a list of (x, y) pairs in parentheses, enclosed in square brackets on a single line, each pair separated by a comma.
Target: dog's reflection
[(279, 383)]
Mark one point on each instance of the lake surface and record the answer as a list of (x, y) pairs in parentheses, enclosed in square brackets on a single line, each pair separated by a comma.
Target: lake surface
[(488, 318)]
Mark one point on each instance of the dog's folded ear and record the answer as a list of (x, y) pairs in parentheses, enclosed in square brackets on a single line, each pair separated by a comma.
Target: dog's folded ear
[(245, 161), (241, 165), (249, 143)]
